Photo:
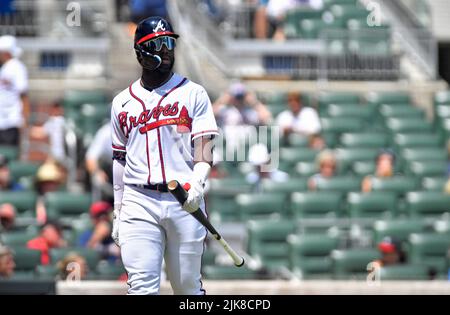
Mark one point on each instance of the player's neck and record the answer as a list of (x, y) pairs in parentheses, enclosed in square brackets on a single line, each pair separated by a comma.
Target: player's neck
[(150, 81)]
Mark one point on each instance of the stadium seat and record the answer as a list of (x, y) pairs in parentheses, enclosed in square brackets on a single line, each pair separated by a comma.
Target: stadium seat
[(342, 184), (341, 125), (345, 12), (398, 229), (20, 169), (294, 155), (398, 184), (426, 168), (429, 250), (346, 157), (26, 259), (363, 168), (372, 205), (379, 98), (109, 271), (47, 272), (267, 242), (10, 152), (66, 204), (326, 98), (434, 183), (408, 125), (287, 187), (442, 97), (229, 185), (442, 226), (253, 206), (74, 98), (316, 204), (363, 140), (230, 273), (296, 140), (306, 169), (427, 204), (309, 255), (23, 200), (412, 140), (352, 263), (348, 110), (92, 256), (404, 272), (222, 207), (18, 238), (401, 111), (424, 154)]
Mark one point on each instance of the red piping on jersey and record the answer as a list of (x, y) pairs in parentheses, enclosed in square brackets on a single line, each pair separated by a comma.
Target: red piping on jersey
[(165, 122), (116, 147), (146, 134), (153, 35), (202, 132), (159, 134)]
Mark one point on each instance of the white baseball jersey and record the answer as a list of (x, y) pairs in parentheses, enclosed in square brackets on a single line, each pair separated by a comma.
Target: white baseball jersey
[(156, 128)]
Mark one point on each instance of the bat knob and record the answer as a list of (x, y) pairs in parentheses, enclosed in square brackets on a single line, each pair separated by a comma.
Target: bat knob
[(241, 264)]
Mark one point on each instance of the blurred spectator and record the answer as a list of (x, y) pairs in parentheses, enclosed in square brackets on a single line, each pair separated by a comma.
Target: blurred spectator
[(259, 157), (277, 9), (327, 164), (49, 178), (14, 102), (298, 119), (99, 238), (385, 161), (6, 182), (73, 267), (260, 22), (7, 217), (7, 264), (49, 237), (54, 130), (238, 111), (391, 252), (316, 142), (99, 164)]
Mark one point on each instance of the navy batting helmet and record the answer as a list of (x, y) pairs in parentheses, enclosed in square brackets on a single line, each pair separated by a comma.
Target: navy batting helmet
[(151, 34)]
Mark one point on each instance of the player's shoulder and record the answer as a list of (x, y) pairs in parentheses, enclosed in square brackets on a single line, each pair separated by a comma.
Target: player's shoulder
[(191, 85)]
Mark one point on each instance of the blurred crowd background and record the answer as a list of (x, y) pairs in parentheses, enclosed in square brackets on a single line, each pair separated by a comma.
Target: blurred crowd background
[(341, 109)]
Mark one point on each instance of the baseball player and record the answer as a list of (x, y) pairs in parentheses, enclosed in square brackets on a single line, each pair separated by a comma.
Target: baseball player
[(162, 130)]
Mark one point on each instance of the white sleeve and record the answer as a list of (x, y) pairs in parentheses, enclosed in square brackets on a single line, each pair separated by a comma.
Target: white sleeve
[(310, 122), (118, 138), (283, 120), (99, 144), (21, 79), (203, 121)]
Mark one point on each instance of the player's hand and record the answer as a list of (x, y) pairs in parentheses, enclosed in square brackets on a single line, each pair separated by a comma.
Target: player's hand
[(195, 196), (115, 227)]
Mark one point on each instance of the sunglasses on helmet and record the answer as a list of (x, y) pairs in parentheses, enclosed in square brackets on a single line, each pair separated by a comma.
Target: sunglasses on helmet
[(157, 43)]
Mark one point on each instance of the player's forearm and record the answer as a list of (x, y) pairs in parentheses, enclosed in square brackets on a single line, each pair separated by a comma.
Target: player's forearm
[(118, 170)]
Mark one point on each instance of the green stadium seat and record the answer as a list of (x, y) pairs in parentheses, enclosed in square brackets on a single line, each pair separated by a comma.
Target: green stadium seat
[(18, 238), (352, 263), (254, 206), (363, 168), (372, 42), (401, 111), (66, 204), (309, 255), (293, 18), (408, 125), (23, 200), (412, 140), (92, 256), (398, 229), (363, 140), (361, 24), (229, 185), (26, 259), (20, 169), (222, 207), (291, 156), (230, 273), (372, 205), (424, 154), (348, 110), (427, 204), (327, 98), (10, 152), (49, 272), (267, 242), (443, 111), (398, 184), (109, 271), (345, 12), (442, 97), (341, 125), (74, 98), (342, 184), (296, 140), (287, 187), (346, 157), (208, 257), (328, 3), (404, 272), (426, 168), (311, 28), (316, 204), (388, 98), (429, 250), (434, 183), (442, 226), (306, 169)]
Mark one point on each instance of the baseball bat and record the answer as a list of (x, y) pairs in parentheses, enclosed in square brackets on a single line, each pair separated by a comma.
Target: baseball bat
[(181, 195)]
